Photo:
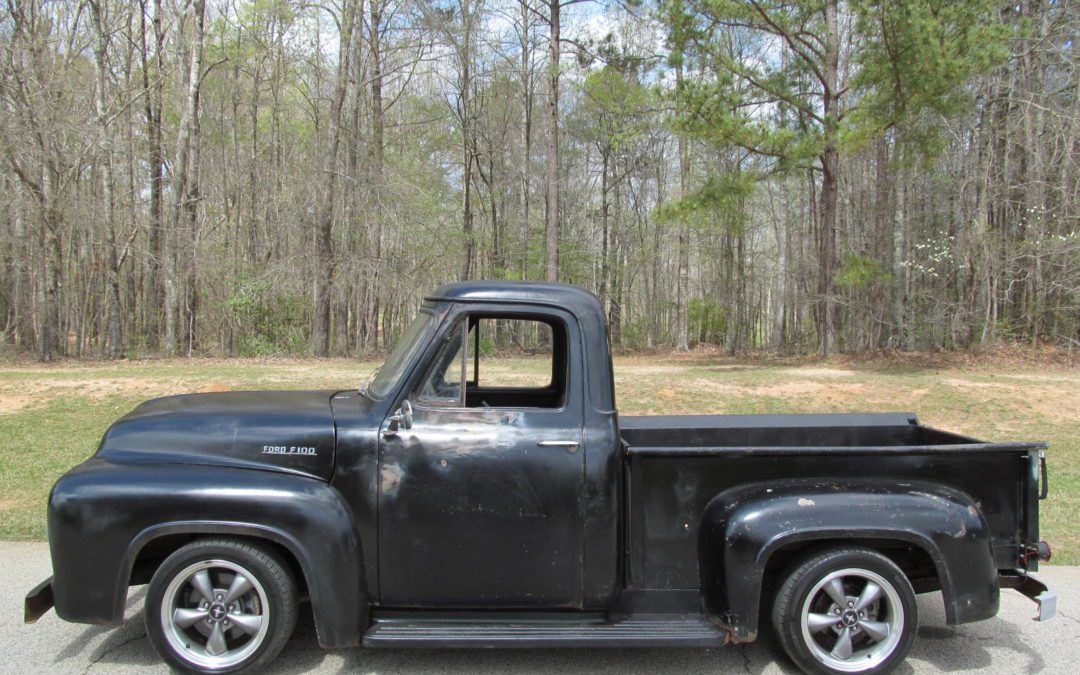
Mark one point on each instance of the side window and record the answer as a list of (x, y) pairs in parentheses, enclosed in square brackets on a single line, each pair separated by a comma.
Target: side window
[(514, 353), (502, 362)]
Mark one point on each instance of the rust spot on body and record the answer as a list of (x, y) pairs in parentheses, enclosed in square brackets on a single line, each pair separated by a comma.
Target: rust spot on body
[(390, 475)]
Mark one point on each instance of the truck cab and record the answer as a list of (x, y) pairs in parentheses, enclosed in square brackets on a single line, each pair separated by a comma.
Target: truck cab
[(486, 483), (456, 502)]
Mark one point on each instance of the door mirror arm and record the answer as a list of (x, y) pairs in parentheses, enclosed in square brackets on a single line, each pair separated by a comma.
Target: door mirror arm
[(402, 419)]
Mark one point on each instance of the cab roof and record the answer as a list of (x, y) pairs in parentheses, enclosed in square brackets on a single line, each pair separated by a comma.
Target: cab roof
[(576, 300)]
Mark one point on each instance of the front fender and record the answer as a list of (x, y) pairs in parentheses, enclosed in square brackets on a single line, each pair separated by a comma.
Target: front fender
[(741, 528), (102, 514)]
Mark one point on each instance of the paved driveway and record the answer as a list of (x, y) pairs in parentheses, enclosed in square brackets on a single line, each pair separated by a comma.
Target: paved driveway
[(1009, 643)]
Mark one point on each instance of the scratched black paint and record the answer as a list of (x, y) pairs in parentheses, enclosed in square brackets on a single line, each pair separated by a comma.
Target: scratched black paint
[(465, 517)]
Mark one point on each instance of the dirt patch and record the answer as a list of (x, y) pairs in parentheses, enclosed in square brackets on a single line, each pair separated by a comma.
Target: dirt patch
[(32, 393), (1056, 402), (1053, 410), (793, 389), (638, 369), (731, 367), (347, 376), (818, 372), (1004, 356), (829, 391), (972, 384), (99, 388), (14, 402), (7, 504), (1041, 378)]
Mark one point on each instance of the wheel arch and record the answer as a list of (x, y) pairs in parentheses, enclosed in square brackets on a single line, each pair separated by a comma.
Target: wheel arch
[(914, 555), (152, 552), (913, 559)]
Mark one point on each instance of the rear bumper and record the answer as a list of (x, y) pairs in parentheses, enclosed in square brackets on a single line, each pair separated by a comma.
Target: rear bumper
[(38, 601), (1045, 597)]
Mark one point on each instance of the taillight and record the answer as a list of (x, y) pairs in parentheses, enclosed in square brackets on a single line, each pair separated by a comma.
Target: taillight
[(1042, 550)]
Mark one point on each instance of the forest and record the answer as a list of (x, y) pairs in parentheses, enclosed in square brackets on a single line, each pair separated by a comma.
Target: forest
[(276, 177)]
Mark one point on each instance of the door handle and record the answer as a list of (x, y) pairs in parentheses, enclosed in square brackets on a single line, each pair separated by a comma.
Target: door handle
[(571, 446)]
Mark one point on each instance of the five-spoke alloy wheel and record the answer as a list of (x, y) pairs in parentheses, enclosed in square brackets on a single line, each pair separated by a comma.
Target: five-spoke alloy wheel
[(846, 610), (221, 606)]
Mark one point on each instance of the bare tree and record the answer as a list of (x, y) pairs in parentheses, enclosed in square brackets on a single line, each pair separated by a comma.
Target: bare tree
[(551, 219), (186, 137), (324, 219)]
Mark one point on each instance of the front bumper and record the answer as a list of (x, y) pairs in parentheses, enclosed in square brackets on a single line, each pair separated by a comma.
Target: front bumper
[(38, 601), (1045, 597)]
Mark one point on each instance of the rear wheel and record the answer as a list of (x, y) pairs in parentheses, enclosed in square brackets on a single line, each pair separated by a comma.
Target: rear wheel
[(845, 610), (221, 606)]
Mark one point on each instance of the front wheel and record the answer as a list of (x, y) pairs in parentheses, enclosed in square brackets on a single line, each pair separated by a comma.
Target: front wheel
[(845, 610), (220, 606)]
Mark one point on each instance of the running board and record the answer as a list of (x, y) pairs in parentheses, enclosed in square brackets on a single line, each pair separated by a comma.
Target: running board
[(654, 630)]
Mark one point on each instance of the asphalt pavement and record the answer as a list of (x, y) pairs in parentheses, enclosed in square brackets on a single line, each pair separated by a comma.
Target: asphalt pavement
[(1009, 643)]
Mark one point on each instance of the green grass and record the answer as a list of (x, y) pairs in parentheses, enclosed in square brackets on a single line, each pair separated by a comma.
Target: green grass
[(51, 418)]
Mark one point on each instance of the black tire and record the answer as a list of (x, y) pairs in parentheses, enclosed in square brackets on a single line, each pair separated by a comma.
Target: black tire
[(875, 639), (249, 645)]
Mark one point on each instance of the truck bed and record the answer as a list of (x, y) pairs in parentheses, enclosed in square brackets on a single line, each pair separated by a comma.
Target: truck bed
[(676, 464)]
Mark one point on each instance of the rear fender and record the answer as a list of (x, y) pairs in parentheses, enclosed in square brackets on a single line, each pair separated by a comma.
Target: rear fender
[(743, 527)]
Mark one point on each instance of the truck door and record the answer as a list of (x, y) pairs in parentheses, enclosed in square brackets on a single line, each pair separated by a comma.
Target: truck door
[(481, 497)]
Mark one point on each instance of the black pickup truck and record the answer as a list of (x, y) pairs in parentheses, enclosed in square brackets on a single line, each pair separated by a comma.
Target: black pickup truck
[(452, 502)]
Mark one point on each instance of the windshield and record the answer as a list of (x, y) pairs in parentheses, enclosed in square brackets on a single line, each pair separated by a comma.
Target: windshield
[(410, 342)]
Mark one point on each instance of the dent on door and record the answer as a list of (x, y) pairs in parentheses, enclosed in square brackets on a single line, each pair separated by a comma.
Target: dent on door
[(435, 462)]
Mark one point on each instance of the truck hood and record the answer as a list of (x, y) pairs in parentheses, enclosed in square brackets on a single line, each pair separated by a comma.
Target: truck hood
[(284, 431)]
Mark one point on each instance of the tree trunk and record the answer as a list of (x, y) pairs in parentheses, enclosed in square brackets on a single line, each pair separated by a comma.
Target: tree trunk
[(830, 167), (50, 338), (682, 290), (467, 154), (152, 286), (180, 179), (605, 235), (324, 225), (346, 318), (189, 240), (618, 277), (104, 171), (781, 288), (525, 76), (22, 264), (378, 151), (552, 216)]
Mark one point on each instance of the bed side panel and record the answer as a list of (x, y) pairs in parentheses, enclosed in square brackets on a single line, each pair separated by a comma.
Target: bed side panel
[(669, 495)]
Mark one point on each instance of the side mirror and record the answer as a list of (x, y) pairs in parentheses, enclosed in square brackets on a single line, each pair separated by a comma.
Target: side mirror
[(402, 419)]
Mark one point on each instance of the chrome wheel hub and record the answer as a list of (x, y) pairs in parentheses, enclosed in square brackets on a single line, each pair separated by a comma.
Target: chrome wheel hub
[(852, 620), (215, 614)]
